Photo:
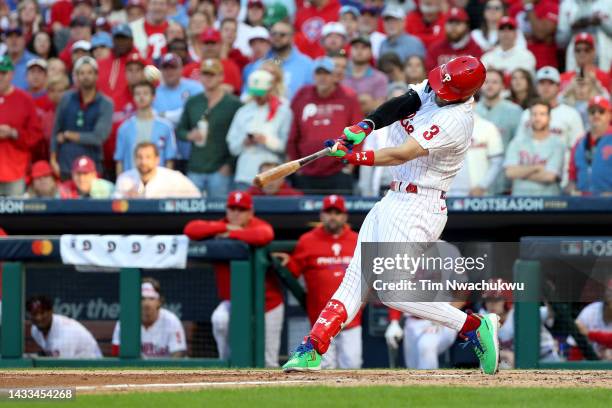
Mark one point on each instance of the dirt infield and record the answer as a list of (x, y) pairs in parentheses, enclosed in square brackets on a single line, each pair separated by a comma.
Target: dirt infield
[(94, 381)]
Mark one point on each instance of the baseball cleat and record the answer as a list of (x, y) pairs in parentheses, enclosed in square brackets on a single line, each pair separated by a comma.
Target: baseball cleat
[(485, 343), (303, 358)]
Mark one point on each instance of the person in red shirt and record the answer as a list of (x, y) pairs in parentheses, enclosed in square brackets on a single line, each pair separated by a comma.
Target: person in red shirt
[(210, 48), (241, 224), (427, 22), (458, 40), (585, 55), (322, 256), (36, 76), (229, 32), (149, 32), (320, 111), (80, 30), (20, 131), (538, 21), (277, 188), (310, 18)]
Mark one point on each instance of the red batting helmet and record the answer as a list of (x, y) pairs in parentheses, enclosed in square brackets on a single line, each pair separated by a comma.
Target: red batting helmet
[(458, 78)]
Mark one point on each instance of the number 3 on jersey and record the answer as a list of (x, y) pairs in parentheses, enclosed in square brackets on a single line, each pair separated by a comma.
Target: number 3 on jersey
[(429, 134)]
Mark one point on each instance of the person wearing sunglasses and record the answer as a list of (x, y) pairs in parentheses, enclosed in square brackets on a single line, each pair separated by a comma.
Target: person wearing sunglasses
[(585, 56), (509, 54)]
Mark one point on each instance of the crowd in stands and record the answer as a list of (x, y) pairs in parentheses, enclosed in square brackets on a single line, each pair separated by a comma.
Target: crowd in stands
[(247, 84)]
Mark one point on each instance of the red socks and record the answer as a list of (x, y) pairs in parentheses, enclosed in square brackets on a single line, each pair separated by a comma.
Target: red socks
[(328, 325), (471, 323)]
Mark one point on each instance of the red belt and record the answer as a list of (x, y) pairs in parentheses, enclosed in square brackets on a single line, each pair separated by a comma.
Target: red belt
[(406, 187)]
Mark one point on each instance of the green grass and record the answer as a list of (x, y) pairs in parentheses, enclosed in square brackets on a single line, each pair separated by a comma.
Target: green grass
[(370, 397)]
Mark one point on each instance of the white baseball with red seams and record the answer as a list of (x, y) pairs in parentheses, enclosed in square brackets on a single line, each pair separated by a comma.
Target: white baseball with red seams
[(406, 217)]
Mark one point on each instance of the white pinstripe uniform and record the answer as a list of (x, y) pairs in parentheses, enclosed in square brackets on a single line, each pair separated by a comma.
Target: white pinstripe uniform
[(406, 217)]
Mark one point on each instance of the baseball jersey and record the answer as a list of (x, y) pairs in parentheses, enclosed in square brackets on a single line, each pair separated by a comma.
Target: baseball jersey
[(161, 339), (67, 338), (322, 258), (565, 122), (445, 131), (592, 318)]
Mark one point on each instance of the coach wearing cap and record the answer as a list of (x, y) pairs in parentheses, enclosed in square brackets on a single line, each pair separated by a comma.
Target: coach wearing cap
[(83, 121)]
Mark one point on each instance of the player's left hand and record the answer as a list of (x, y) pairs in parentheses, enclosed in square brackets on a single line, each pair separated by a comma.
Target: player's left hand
[(340, 151), (356, 133)]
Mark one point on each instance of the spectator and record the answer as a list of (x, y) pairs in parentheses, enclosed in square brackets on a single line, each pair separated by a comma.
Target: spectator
[(148, 32), (85, 182), (42, 45), (228, 31), (20, 131), (585, 58), (509, 54), (340, 69), (161, 332), (16, 51), (291, 60), (414, 70), (171, 96), (43, 183), (29, 17), (112, 79), (309, 22), (255, 14), (368, 26), (321, 256), (278, 187), (241, 224), (391, 66), (260, 47), (79, 49), (579, 91), (565, 121), (426, 23), (374, 181), (135, 11), (278, 84), (56, 68), (101, 45), (594, 322), (333, 40), (537, 20), (534, 161), (397, 41), (80, 30), (348, 16), (590, 169), (144, 126), (593, 17), (486, 35), (59, 336), (368, 82), (177, 13), (457, 40), (276, 12), (113, 11), (56, 88), (149, 180), (321, 110), (205, 122), (82, 121), (210, 48), (483, 162), (522, 88), (259, 130), (36, 76)]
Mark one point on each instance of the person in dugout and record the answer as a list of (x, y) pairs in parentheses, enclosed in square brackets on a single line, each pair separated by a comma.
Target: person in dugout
[(322, 256), (241, 224), (161, 333)]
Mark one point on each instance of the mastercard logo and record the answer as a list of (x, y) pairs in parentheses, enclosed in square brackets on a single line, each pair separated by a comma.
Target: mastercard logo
[(120, 206), (42, 247)]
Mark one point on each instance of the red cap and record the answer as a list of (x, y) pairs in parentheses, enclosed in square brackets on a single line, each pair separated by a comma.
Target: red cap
[(506, 21), (457, 14), (600, 102), (584, 38), (334, 201), (240, 199), (41, 168), (258, 3), (210, 35), (83, 164), (135, 56)]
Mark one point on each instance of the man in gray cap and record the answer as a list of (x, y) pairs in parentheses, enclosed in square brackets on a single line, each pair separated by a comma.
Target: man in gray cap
[(398, 42)]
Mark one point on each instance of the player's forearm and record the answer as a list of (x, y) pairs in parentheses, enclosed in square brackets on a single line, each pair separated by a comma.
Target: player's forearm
[(393, 156), (395, 109)]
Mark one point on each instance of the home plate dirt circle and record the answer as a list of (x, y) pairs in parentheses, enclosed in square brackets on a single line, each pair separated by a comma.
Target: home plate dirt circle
[(96, 381)]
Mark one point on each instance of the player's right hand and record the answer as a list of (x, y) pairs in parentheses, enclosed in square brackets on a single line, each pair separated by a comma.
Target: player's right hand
[(356, 133), (394, 334)]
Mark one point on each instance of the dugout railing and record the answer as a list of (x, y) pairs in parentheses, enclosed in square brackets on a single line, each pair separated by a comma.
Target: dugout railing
[(246, 316)]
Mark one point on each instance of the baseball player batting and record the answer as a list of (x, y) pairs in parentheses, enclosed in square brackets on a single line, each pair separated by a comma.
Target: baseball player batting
[(431, 127)]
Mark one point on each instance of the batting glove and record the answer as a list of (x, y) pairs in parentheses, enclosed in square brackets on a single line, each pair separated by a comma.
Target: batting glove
[(356, 133), (394, 334), (364, 158)]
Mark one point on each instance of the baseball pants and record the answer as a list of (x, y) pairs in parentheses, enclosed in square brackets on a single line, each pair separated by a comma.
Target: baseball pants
[(424, 341), (401, 217), (220, 320), (344, 351)]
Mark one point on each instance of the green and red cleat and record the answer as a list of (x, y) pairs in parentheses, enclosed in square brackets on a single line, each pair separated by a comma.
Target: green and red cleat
[(303, 358), (485, 343)]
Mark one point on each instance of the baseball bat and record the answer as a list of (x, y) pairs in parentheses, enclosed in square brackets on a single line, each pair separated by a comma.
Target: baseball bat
[(288, 168)]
